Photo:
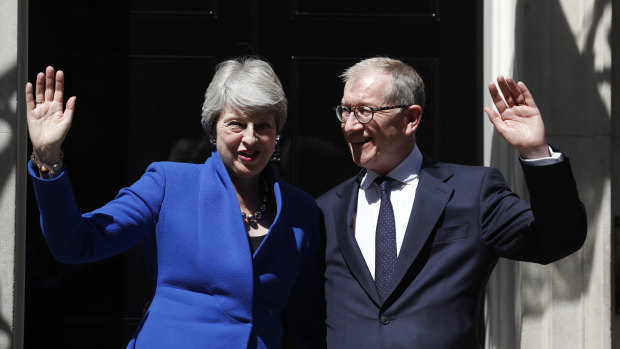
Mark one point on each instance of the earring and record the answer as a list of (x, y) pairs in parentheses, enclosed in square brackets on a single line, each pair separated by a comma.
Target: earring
[(275, 156)]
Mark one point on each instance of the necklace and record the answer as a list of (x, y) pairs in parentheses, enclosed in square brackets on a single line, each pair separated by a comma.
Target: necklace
[(253, 218)]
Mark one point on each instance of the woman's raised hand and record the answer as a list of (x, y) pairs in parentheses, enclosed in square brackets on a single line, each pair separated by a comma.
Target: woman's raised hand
[(48, 121)]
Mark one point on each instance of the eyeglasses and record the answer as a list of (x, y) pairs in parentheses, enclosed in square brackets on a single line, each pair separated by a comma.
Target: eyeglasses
[(363, 113)]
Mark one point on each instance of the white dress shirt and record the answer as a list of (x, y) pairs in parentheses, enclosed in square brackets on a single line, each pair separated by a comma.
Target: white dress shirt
[(402, 196)]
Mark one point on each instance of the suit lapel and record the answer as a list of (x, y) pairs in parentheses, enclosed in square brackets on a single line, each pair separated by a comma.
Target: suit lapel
[(346, 240), (432, 196), (222, 233), (277, 232)]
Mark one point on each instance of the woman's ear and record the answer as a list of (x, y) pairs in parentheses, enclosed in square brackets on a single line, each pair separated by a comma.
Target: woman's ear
[(413, 117), (212, 138)]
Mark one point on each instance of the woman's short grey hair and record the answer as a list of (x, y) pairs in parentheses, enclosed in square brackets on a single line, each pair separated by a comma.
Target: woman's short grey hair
[(245, 84), (407, 85)]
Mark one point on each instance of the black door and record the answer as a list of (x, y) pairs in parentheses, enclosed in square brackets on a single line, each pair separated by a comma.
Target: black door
[(140, 69)]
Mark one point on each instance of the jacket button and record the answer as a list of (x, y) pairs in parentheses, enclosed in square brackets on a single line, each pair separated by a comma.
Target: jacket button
[(384, 319)]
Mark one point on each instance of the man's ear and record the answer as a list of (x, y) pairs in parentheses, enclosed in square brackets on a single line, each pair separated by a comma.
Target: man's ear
[(413, 117)]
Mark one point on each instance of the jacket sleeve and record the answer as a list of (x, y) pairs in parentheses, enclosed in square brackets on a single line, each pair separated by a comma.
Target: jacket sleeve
[(551, 227), (114, 228)]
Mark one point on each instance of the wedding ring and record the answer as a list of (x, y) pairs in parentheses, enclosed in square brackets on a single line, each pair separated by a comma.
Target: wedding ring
[(38, 102)]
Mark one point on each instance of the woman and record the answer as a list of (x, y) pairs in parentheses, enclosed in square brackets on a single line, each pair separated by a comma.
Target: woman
[(211, 290)]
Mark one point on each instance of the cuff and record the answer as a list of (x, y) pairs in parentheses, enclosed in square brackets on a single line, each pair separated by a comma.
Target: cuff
[(33, 171), (553, 159)]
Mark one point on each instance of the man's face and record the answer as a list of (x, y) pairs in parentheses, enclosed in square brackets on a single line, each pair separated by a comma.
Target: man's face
[(384, 142)]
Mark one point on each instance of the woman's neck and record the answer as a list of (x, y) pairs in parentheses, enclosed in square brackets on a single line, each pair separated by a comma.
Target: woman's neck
[(251, 195), (248, 188)]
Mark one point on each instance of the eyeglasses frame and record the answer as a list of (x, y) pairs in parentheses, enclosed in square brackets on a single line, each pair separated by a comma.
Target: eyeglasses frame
[(373, 110)]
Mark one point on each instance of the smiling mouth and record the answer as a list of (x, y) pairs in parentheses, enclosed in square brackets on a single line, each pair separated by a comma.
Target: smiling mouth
[(248, 155), (361, 141)]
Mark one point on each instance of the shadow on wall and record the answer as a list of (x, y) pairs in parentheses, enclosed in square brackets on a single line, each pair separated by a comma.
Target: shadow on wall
[(7, 151), (569, 84), (6, 336), (576, 106)]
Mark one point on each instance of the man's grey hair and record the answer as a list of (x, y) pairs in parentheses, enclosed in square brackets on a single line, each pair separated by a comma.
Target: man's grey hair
[(407, 85), (245, 84)]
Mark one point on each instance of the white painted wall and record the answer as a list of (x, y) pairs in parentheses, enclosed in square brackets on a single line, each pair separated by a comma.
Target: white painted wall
[(8, 113), (13, 58), (562, 50)]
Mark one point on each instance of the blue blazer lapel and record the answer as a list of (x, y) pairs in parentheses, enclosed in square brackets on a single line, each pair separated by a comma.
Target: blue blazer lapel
[(222, 231), (346, 239), (431, 198), (279, 222)]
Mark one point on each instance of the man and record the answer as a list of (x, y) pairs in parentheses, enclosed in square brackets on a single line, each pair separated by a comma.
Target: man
[(408, 258)]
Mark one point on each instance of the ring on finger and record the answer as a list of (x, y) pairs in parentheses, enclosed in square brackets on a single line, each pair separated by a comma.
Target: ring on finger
[(38, 102)]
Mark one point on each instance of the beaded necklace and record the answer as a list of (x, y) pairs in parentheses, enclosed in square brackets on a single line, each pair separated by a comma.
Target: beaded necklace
[(253, 218)]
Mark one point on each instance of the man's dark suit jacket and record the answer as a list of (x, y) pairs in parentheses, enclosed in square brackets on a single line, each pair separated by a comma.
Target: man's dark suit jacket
[(463, 219)]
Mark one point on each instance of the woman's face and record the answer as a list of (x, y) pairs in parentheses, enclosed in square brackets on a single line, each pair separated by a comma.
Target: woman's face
[(245, 142)]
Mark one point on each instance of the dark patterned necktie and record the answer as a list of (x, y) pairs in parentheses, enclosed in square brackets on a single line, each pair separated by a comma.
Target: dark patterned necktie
[(385, 240)]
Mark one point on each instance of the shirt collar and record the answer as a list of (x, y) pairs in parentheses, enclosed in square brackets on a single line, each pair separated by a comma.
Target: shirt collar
[(406, 172)]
